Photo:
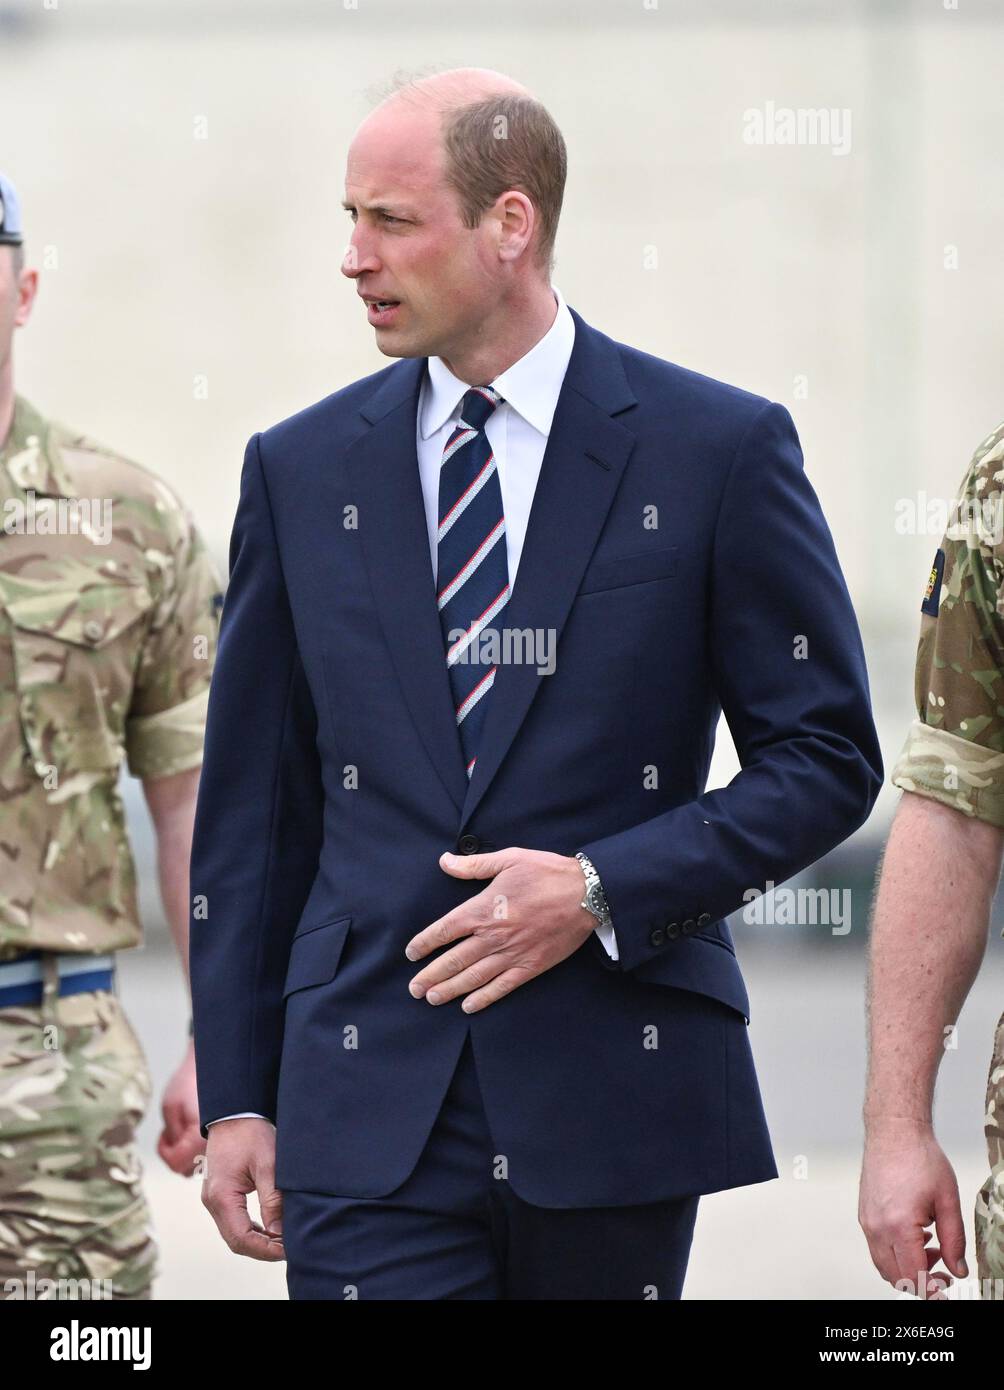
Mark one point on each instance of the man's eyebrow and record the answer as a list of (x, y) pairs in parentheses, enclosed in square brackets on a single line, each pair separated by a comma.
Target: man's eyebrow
[(393, 209)]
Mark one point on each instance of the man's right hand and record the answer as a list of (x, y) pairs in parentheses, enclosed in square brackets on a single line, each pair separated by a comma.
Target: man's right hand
[(908, 1185), (240, 1158)]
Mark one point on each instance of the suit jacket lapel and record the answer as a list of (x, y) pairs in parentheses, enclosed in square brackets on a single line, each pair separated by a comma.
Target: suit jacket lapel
[(383, 464)]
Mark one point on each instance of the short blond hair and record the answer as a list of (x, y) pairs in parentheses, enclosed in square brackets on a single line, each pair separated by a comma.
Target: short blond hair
[(502, 142)]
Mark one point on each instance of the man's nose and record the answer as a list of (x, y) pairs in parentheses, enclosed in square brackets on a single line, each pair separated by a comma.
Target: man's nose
[(356, 259)]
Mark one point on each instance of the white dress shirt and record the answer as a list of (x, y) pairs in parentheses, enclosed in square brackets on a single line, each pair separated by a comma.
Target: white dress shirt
[(517, 431)]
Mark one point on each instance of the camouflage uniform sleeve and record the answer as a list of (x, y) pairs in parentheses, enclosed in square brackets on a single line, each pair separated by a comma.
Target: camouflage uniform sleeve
[(954, 751), (167, 717)]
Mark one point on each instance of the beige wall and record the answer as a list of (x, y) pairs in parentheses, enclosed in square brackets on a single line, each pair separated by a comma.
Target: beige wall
[(180, 256)]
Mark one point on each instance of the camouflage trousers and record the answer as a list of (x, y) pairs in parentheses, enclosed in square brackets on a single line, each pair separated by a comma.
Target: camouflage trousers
[(74, 1084), (990, 1198)]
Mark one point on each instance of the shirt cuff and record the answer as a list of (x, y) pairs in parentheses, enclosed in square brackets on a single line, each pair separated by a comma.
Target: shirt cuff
[(241, 1115), (606, 935)]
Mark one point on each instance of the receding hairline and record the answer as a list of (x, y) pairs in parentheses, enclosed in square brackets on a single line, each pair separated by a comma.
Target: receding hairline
[(445, 91)]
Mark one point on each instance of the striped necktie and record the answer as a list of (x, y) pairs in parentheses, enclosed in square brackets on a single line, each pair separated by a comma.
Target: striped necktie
[(472, 575)]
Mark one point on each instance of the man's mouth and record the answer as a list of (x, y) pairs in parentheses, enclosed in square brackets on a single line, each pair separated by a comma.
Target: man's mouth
[(381, 313)]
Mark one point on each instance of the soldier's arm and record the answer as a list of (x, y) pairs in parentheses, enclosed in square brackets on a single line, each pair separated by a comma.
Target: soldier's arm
[(171, 801), (165, 729), (929, 934), (937, 883)]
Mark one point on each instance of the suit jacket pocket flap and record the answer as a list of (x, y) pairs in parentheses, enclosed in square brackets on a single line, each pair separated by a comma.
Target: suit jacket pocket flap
[(314, 955), (613, 572), (702, 963)]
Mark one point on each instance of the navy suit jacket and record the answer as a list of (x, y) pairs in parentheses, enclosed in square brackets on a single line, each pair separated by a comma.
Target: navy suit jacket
[(334, 779)]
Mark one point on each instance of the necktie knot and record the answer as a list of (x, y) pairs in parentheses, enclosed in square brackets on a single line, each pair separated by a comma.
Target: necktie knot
[(478, 403)]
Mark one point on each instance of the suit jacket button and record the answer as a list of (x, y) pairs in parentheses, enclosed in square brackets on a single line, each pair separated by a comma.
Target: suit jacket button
[(672, 930), (658, 937), (468, 844), (688, 926), (704, 919)]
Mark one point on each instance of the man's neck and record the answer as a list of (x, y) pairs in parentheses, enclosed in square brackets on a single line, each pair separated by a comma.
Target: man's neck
[(6, 402), (497, 345)]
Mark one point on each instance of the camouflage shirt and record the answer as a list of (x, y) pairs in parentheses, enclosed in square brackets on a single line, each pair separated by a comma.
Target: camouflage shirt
[(108, 621), (954, 751)]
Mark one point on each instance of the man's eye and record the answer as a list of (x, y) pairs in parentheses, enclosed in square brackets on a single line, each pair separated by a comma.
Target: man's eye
[(385, 215)]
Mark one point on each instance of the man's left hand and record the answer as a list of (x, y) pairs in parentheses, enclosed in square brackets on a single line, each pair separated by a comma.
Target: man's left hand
[(526, 921)]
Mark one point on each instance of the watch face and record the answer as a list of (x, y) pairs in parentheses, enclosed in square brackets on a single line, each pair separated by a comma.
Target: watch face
[(596, 902)]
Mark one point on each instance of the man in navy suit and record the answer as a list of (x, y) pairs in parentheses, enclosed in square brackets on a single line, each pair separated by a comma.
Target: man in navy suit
[(458, 888)]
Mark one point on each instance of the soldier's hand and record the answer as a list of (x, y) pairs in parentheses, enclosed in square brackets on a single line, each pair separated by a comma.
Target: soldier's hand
[(908, 1185), (240, 1158), (181, 1140)]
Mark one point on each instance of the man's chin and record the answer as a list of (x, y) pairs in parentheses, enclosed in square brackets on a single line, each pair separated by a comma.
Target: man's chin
[(396, 345)]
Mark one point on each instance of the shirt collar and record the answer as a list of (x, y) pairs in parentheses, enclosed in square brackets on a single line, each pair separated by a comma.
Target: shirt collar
[(531, 385)]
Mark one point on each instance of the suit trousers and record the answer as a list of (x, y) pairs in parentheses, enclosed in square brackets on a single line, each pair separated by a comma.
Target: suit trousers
[(455, 1229)]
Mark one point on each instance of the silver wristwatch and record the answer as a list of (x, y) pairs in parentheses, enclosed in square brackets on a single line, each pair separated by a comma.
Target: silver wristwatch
[(595, 900)]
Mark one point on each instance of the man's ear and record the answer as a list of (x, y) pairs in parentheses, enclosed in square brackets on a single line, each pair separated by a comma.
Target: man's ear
[(26, 291)]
